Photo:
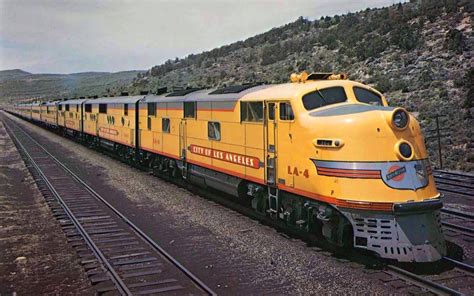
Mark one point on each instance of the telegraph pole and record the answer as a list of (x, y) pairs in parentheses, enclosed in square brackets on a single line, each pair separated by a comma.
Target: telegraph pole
[(438, 134)]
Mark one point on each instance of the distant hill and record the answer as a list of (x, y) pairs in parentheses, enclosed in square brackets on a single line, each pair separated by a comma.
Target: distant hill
[(13, 74), (420, 54), (18, 84)]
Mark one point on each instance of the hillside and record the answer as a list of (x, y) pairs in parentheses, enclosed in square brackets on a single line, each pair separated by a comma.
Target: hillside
[(17, 84), (13, 74), (420, 54)]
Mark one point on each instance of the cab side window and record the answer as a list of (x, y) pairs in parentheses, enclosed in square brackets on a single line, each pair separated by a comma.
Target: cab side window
[(214, 130), (251, 111), (102, 108), (366, 96), (165, 125), (190, 109), (286, 112), (151, 109), (271, 111)]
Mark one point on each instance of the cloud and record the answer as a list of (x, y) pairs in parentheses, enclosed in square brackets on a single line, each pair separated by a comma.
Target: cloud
[(71, 36)]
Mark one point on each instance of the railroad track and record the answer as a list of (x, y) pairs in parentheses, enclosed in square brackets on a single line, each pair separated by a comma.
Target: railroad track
[(402, 278), (458, 222), (451, 182), (456, 281), (117, 256)]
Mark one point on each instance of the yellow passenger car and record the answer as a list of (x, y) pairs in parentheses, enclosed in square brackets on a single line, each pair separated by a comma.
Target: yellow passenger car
[(49, 113), (24, 110), (70, 114), (36, 111), (112, 119), (204, 129)]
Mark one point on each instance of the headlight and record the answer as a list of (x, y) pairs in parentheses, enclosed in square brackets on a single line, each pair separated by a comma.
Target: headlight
[(404, 150), (400, 118)]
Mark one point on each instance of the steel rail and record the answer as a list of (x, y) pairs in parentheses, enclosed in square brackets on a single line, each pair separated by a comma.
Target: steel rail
[(465, 230), (455, 174), (444, 189), (457, 213), (460, 264), (142, 235), (121, 286), (458, 183), (431, 286)]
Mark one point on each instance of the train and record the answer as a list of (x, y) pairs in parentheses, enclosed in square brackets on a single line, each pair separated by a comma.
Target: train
[(322, 154)]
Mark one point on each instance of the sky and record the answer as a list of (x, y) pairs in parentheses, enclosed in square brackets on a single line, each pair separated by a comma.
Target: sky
[(42, 36)]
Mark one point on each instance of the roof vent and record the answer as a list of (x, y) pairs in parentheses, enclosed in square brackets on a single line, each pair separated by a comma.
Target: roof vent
[(233, 89), (161, 90), (182, 92)]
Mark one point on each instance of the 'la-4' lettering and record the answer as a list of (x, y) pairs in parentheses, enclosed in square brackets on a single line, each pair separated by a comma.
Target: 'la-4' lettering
[(295, 171)]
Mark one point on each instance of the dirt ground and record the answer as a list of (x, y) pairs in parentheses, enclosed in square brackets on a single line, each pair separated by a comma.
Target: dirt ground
[(35, 258)]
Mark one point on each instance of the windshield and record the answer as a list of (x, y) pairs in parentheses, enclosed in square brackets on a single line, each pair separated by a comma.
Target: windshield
[(324, 97), (366, 96)]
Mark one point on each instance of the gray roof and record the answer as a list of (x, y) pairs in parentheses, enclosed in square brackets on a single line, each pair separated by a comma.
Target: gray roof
[(72, 102), (115, 100), (51, 103), (203, 96)]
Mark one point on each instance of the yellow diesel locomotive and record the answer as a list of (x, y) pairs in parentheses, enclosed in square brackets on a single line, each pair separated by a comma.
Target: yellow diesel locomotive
[(322, 153)]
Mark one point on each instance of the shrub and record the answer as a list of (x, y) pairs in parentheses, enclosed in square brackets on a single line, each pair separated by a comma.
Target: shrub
[(454, 41)]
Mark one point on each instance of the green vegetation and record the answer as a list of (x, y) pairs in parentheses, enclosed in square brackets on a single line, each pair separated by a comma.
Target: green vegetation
[(358, 36), (417, 53), (469, 85), (413, 52), (455, 41)]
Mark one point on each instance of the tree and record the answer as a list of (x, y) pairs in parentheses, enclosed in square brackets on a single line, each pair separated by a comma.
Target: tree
[(454, 41), (405, 37), (272, 54)]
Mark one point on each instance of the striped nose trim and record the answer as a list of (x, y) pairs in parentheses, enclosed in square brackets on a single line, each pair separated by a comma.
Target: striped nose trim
[(349, 173), (395, 174)]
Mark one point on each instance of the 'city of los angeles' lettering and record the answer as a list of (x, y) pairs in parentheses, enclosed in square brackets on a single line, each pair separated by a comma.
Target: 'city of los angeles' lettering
[(231, 157)]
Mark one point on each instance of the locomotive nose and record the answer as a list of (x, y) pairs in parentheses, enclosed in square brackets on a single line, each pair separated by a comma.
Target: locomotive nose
[(367, 132)]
